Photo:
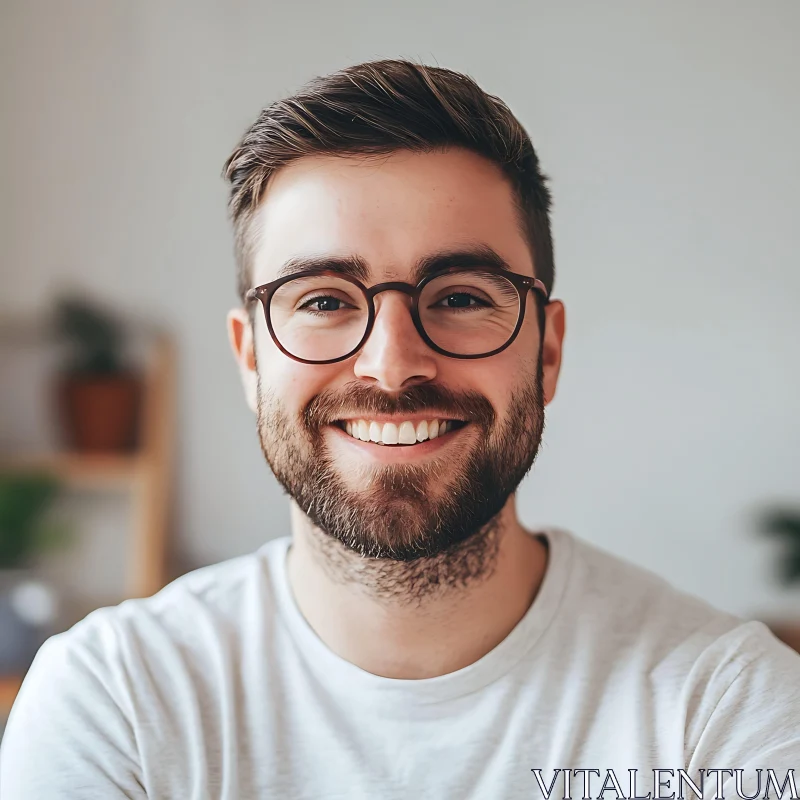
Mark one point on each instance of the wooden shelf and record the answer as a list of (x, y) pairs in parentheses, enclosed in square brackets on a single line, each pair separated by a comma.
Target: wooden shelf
[(146, 475), (78, 470), (9, 686)]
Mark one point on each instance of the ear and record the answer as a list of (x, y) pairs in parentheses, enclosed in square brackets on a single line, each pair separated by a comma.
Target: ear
[(554, 328), (240, 335)]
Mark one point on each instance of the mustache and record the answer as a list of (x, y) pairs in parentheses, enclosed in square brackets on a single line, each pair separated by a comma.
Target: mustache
[(356, 399)]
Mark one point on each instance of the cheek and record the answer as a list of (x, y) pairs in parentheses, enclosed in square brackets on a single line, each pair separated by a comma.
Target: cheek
[(292, 383), (505, 375), (494, 379), (528, 339), (524, 352), (498, 386)]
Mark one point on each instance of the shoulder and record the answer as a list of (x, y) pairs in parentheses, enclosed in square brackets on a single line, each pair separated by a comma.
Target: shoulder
[(636, 605), (217, 592), (733, 684), (746, 714), (176, 631), (628, 612), (154, 663)]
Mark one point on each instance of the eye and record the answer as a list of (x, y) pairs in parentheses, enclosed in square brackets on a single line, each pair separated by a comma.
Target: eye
[(323, 303), (461, 300)]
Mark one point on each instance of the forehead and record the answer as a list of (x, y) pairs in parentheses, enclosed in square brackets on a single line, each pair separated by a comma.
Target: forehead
[(389, 211)]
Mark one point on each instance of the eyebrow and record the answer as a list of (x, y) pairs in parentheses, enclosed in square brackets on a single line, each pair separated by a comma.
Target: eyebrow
[(352, 266), (480, 255)]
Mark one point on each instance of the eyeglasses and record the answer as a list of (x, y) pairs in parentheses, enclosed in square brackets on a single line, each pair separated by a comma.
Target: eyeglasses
[(321, 317)]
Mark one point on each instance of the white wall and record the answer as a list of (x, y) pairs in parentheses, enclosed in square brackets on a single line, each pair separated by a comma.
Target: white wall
[(670, 132)]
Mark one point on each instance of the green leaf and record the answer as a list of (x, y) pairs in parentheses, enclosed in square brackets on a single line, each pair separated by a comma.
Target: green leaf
[(23, 501)]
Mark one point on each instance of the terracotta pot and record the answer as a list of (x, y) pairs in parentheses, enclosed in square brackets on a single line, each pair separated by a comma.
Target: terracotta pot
[(100, 413)]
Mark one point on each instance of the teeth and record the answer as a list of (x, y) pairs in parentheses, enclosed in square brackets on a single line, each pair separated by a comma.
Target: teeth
[(407, 433), (390, 433)]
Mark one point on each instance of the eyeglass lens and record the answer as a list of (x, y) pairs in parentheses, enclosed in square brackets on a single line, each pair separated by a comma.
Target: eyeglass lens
[(323, 317)]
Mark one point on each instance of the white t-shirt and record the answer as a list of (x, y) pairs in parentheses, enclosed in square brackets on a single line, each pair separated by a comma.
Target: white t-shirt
[(216, 687)]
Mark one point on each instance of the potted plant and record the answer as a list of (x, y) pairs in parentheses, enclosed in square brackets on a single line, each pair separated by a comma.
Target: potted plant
[(98, 395), (783, 523), (27, 606)]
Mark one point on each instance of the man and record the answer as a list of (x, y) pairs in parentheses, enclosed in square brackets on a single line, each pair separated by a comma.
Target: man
[(398, 343)]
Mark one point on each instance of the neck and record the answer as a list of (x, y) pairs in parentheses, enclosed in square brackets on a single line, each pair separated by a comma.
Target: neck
[(416, 619)]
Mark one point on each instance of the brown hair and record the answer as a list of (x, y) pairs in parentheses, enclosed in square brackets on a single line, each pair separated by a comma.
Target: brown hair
[(373, 109)]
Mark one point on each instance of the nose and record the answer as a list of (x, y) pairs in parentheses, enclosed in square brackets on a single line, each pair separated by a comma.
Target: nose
[(394, 356)]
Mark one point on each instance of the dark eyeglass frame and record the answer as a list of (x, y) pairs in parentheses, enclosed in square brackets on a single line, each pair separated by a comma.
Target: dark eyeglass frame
[(522, 283)]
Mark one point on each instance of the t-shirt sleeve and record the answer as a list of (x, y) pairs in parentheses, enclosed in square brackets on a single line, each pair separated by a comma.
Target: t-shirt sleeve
[(754, 722), (67, 734)]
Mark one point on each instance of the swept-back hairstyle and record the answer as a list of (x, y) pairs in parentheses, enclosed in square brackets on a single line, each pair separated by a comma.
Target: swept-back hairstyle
[(376, 108)]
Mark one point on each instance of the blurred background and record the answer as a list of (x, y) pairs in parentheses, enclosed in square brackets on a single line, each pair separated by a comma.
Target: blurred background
[(669, 132)]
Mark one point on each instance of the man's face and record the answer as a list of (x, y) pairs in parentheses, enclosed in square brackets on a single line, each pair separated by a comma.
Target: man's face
[(399, 501)]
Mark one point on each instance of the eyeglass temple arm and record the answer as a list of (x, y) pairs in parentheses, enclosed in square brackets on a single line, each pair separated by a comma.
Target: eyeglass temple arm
[(538, 286)]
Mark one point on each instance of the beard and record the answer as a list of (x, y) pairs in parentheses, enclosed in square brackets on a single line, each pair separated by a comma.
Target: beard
[(438, 518)]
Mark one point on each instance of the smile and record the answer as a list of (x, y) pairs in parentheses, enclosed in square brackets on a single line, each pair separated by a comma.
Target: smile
[(401, 433)]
